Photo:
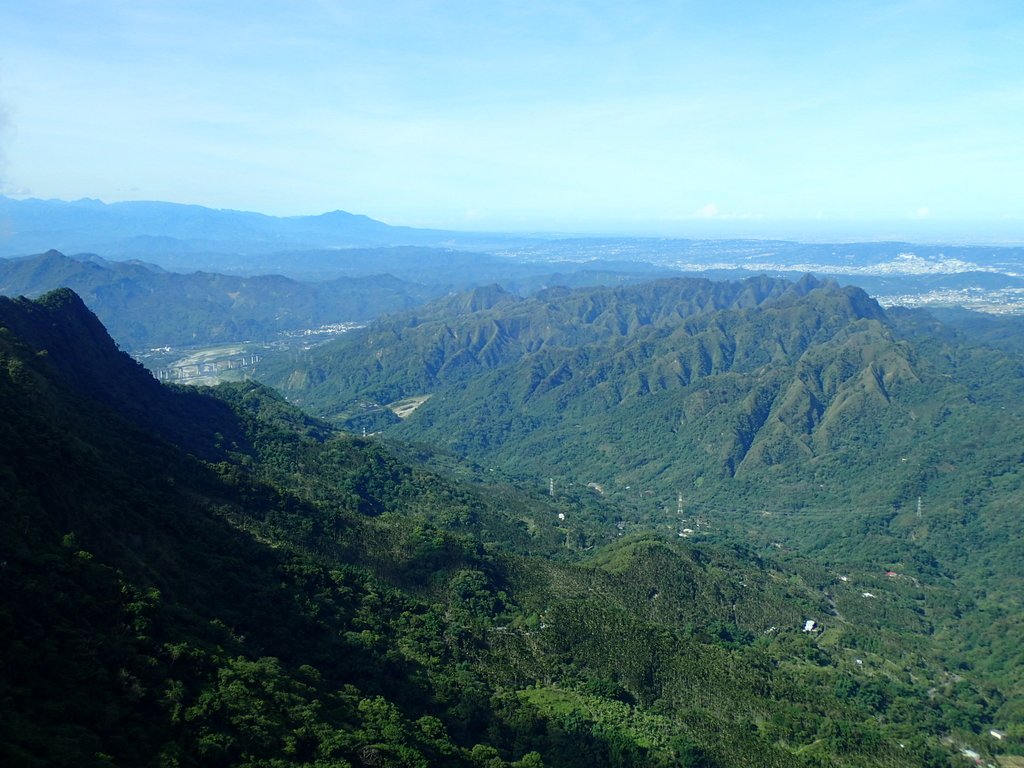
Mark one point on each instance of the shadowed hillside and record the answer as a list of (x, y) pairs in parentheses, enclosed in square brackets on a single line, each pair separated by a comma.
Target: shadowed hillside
[(286, 596)]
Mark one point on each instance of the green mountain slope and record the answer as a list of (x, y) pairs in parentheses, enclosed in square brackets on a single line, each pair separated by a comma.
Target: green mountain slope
[(455, 339), (799, 416), (252, 590), (682, 385), (144, 306)]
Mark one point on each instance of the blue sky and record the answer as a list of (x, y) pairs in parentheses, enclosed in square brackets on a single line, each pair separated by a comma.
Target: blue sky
[(671, 117)]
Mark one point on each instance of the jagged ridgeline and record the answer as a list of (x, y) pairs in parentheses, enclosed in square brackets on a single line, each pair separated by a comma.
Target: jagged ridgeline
[(144, 306), (213, 578), (763, 394), (773, 413)]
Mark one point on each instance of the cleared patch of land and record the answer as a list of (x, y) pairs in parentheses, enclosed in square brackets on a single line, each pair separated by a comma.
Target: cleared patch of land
[(404, 408)]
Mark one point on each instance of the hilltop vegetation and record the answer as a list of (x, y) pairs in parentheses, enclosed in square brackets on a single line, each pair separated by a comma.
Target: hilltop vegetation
[(783, 415), (145, 306), (250, 588)]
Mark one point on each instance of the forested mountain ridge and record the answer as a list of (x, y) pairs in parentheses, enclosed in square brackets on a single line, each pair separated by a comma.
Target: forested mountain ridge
[(810, 419), (762, 375), (144, 306), (562, 354), (299, 598), (455, 338), (75, 345)]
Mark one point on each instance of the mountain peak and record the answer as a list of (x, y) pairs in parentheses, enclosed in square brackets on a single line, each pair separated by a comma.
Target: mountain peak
[(488, 296), (344, 215), (66, 300), (478, 299), (78, 347), (808, 282), (60, 323), (61, 330)]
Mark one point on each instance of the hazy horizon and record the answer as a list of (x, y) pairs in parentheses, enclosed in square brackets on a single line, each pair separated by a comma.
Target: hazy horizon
[(995, 234), (876, 121)]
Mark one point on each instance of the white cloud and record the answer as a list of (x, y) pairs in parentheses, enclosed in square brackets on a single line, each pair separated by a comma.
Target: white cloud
[(709, 211)]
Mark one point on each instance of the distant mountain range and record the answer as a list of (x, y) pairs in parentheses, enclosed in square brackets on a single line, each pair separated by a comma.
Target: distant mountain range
[(123, 228), (144, 305), (336, 245), (186, 237)]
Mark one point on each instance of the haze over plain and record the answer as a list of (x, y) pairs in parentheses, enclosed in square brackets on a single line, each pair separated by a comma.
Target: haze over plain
[(795, 119)]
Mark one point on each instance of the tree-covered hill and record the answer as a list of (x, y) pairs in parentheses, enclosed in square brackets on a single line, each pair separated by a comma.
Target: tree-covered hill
[(144, 306), (457, 338), (794, 415), (213, 578), (681, 386)]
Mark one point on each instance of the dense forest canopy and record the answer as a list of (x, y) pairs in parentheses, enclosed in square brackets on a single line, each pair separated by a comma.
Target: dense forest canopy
[(212, 577), (774, 414)]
